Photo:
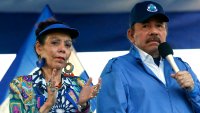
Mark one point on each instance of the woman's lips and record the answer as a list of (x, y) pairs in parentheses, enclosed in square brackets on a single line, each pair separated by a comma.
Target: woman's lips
[(61, 58)]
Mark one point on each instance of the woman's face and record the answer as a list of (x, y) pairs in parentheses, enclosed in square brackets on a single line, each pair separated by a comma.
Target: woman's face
[(56, 50)]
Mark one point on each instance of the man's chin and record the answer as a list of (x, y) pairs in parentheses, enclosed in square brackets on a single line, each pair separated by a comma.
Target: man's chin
[(153, 51)]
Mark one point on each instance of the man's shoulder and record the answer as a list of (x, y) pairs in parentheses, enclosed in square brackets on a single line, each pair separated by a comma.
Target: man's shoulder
[(114, 62), (181, 63), (179, 60)]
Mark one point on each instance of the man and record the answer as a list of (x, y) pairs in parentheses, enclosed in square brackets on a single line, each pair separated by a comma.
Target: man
[(141, 81)]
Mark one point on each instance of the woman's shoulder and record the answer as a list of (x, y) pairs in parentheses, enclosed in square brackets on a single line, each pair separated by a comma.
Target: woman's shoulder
[(19, 83), (20, 79)]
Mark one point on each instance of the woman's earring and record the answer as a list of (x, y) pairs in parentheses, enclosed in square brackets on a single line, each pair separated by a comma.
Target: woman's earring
[(40, 63), (69, 69)]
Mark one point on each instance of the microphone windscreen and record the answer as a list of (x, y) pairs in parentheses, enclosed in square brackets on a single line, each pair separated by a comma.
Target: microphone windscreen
[(165, 49)]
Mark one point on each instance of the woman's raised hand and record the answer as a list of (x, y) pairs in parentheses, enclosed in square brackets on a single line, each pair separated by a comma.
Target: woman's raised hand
[(88, 91), (52, 92), (52, 89)]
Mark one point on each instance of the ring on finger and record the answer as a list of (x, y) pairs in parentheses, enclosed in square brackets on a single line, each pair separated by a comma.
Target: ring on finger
[(93, 96), (95, 87), (49, 84), (53, 89)]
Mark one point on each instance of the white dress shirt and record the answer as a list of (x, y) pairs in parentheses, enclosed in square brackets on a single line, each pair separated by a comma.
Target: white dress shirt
[(149, 62)]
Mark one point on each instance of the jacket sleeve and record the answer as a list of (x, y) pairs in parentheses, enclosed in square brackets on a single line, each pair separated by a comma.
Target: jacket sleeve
[(16, 103), (112, 95), (194, 95)]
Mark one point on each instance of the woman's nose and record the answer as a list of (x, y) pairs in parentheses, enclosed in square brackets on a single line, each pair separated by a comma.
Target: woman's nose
[(62, 48)]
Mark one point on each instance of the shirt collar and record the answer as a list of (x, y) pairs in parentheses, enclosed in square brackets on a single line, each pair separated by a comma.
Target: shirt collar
[(143, 55)]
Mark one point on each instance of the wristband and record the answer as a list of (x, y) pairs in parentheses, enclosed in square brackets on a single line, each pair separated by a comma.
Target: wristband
[(80, 108)]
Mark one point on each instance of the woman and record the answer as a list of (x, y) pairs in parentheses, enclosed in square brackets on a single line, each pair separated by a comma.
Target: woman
[(50, 89)]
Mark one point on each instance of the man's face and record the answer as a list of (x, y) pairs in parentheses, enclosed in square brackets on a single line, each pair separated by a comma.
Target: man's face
[(148, 35)]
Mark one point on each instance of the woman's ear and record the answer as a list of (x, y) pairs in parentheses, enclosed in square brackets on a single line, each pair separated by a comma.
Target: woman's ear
[(38, 48), (130, 35)]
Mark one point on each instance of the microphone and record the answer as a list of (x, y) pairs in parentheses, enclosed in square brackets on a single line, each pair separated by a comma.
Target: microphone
[(166, 52)]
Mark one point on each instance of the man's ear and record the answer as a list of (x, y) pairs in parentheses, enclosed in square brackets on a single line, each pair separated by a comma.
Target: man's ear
[(38, 48), (130, 35)]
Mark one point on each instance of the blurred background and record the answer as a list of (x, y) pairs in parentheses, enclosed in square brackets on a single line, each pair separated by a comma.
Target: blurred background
[(102, 25)]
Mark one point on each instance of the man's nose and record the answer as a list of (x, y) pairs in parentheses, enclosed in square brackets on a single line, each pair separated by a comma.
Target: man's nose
[(154, 31)]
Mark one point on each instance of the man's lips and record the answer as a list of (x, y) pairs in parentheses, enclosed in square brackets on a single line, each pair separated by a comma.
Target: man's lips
[(153, 40)]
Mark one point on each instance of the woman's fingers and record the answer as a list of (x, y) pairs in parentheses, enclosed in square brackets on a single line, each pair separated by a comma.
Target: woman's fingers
[(53, 74), (89, 82), (51, 84), (95, 89)]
